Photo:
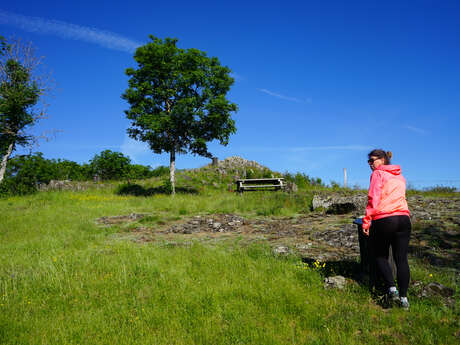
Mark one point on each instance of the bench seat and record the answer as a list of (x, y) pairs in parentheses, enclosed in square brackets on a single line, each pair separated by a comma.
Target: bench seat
[(258, 183)]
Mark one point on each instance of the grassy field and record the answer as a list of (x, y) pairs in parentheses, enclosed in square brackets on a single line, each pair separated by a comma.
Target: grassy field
[(64, 279)]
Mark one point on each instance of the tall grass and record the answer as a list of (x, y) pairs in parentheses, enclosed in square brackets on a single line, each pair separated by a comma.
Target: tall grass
[(66, 280)]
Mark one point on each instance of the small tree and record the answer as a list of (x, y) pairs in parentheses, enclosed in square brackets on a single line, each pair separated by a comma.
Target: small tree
[(20, 92), (177, 100), (110, 165)]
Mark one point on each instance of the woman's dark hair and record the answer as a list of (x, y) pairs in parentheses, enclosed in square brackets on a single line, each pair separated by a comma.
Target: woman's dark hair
[(381, 154)]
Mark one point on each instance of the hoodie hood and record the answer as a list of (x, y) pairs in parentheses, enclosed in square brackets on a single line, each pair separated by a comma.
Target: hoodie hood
[(392, 169)]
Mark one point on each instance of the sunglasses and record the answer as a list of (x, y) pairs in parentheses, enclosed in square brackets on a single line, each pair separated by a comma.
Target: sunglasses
[(372, 160)]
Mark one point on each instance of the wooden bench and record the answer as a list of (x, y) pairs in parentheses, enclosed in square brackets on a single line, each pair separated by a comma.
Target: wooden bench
[(251, 184)]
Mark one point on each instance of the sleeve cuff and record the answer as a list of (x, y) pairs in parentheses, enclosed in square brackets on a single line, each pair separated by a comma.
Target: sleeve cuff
[(366, 223)]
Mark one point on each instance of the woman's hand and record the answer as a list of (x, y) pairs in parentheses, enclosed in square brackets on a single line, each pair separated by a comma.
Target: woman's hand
[(366, 225)]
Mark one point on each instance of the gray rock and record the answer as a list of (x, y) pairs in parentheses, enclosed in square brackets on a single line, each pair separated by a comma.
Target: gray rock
[(340, 204), (291, 187), (236, 162), (437, 289), (450, 302), (336, 282), (216, 225), (304, 246), (281, 250)]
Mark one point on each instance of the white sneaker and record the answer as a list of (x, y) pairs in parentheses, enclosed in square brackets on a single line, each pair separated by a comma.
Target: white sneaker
[(404, 303)]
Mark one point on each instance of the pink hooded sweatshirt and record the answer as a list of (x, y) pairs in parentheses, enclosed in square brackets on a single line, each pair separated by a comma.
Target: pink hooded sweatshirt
[(387, 194)]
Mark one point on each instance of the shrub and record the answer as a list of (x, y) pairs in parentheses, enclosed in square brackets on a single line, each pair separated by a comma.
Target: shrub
[(24, 173), (441, 189), (335, 185), (167, 186), (109, 165), (302, 180), (69, 170), (137, 171), (160, 171)]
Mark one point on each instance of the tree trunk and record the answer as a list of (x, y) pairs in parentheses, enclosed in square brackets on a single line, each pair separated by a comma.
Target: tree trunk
[(172, 170), (4, 161)]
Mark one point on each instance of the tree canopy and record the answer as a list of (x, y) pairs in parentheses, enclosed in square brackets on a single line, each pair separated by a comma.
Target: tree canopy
[(178, 99)]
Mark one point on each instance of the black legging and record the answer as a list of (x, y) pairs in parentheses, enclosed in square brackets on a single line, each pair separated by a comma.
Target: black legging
[(394, 231)]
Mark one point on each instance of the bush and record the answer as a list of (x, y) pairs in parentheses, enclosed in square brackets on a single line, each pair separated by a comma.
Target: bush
[(25, 173), (69, 170), (160, 171), (167, 186), (441, 189), (335, 185), (137, 172), (302, 180), (110, 165)]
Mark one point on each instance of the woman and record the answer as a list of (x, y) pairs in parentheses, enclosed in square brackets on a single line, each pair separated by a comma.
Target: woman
[(387, 217)]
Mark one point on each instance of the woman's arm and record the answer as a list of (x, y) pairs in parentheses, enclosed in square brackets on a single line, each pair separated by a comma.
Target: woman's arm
[(375, 192)]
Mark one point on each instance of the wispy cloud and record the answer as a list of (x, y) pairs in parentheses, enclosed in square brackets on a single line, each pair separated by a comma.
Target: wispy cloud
[(286, 98), (134, 149), (415, 129), (65, 30)]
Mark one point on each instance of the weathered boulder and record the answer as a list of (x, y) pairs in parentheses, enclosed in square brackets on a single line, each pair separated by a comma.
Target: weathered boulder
[(340, 204), (291, 187), (336, 282), (281, 250), (436, 289)]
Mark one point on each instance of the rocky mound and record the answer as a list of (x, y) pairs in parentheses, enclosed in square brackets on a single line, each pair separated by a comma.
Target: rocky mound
[(236, 162), (322, 235)]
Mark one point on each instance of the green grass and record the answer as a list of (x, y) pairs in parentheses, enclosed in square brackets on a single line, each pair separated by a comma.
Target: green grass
[(66, 280)]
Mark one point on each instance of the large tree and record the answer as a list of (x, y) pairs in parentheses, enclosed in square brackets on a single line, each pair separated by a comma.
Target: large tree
[(178, 100), (21, 89)]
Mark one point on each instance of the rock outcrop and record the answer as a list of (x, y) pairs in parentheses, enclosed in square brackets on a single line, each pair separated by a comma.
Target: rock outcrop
[(69, 185), (236, 162), (340, 204)]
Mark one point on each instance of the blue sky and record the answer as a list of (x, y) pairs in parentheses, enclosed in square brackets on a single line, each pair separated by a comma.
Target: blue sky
[(318, 83)]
